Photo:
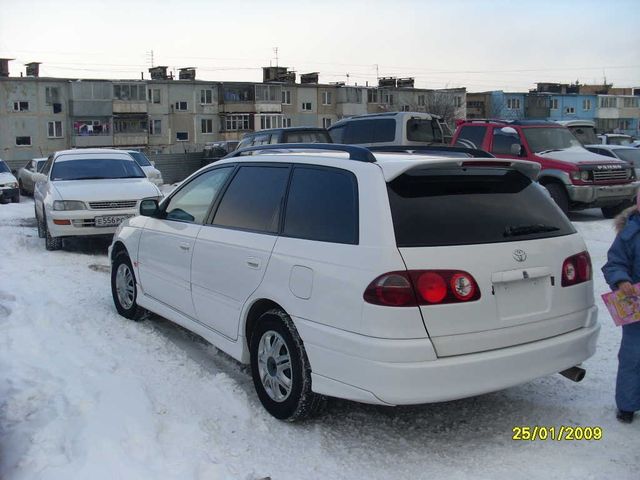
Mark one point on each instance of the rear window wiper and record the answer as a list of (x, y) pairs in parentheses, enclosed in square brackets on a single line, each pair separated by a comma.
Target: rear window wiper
[(514, 231)]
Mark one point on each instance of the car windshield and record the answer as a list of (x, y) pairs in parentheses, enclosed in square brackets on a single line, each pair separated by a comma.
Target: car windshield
[(625, 141), (541, 139), (141, 158), (631, 155), (95, 169), (586, 135), (4, 168)]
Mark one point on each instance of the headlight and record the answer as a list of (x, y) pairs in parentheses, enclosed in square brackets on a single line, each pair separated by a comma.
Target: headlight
[(68, 205), (582, 175), (14, 185)]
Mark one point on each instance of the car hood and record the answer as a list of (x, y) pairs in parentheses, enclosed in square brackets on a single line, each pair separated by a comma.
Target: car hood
[(578, 156), (112, 189), (6, 177)]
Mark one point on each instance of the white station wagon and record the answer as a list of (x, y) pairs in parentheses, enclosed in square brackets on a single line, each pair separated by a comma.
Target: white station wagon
[(389, 279), (88, 192)]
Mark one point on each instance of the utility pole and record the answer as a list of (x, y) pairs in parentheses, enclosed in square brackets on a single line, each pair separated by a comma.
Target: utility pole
[(275, 50), (150, 57)]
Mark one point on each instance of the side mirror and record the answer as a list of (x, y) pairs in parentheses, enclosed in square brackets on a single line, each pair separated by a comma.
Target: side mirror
[(509, 131), (149, 207), (516, 149)]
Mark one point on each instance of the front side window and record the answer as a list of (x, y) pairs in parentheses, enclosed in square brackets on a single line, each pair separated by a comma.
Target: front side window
[(503, 140), (322, 205), (191, 203), (423, 130), (253, 199)]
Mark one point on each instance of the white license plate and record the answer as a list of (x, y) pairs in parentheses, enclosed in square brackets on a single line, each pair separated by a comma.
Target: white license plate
[(111, 220)]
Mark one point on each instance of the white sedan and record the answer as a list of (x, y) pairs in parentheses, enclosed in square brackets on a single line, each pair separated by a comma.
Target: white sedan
[(27, 175), (88, 192)]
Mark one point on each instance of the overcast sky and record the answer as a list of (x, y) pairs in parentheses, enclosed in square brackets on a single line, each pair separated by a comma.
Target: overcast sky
[(481, 45)]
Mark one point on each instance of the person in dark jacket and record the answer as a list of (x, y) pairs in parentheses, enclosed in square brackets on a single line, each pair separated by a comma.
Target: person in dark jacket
[(621, 271)]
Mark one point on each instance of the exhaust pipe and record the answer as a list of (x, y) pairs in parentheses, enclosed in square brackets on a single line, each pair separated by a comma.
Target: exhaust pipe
[(575, 374)]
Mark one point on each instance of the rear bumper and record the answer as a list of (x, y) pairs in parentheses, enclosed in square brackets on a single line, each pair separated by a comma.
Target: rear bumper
[(404, 372), (602, 195)]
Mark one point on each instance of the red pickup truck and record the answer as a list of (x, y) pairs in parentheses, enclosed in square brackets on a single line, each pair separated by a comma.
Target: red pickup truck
[(575, 177)]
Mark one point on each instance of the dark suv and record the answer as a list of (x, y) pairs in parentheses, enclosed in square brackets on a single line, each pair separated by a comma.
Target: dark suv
[(575, 177), (285, 135)]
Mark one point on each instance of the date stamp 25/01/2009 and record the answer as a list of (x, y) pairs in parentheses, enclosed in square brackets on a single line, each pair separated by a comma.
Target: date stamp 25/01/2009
[(563, 432)]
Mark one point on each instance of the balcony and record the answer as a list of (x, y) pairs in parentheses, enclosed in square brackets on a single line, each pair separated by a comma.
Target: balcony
[(130, 139), (129, 106), (92, 140)]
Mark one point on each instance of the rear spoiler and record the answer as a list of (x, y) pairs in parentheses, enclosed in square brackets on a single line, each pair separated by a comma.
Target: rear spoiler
[(454, 151), (393, 170)]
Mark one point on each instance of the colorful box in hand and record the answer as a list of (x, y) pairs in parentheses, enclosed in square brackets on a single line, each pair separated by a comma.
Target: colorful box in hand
[(623, 309)]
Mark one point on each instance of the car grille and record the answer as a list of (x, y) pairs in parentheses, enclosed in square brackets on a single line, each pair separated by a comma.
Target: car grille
[(111, 205), (611, 175)]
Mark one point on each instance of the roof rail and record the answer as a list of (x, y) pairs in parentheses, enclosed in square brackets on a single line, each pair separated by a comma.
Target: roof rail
[(471, 152), (355, 152)]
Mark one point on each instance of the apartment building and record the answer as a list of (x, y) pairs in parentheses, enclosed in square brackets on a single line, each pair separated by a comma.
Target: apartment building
[(165, 115)]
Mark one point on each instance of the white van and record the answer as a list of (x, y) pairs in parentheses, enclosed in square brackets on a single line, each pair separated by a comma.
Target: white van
[(393, 128)]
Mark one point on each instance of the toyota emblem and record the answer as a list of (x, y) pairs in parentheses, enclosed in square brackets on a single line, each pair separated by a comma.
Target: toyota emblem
[(519, 255)]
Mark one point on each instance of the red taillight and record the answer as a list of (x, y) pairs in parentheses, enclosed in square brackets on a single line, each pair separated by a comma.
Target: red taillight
[(422, 287), (576, 269)]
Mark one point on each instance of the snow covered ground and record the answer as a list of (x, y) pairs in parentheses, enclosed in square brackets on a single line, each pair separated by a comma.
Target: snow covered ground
[(86, 394)]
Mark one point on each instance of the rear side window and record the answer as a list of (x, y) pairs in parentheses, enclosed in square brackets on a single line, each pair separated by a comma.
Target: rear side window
[(253, 199), (370, 131), (471, 136), (322, 205), (470, 206)]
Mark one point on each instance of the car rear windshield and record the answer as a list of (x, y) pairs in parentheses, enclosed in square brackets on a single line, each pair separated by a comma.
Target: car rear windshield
[(464, 206), (423, 130), (95, 169), (306, 137), (141, 158)]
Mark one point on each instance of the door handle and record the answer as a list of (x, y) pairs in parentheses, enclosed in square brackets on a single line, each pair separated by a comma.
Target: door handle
[(185, 246), (253, 262)]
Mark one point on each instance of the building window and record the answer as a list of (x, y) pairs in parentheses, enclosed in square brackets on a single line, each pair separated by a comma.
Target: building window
[(238, 93), (129, 92), (236, 122), (20, 106), (51, 95), (570, 110), (608, 102), (421, 102), (23, 141), (386, 97), (268, 93), (512, 103), (286, 97), (155, 127), (206, 125), (405, 108), (630, 102), (286, 122), (54, 129), (306, 106), (326, 122), (326, 98), (372, 96), (206, 96), (457, 102), (586, 104), (553, 103), (132, 125), (182, 136), (154, 95), (182, 106), (270, 121)]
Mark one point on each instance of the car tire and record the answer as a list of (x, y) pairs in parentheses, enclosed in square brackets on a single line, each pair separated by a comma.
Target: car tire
[(283, 389), (124, 289), (611, 212), (16, 198), (22, 190), (50, 243), (39, 223), (559, 196)]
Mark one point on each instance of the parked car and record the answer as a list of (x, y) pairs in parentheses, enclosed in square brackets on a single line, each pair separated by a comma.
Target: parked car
[(27, 175), (148, 167), (628, 154), (285, 135), (88, 192), (392, 128), (9, 191), (214, 151), (575, 177), (583, 130), (382, 278)]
